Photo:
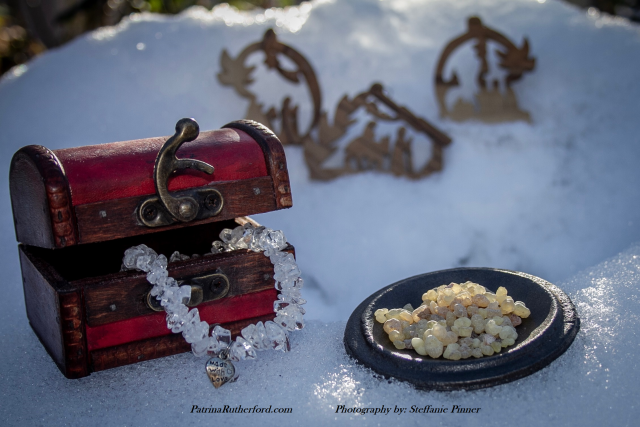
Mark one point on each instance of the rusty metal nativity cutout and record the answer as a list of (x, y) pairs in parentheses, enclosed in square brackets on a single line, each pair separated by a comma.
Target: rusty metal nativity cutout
[(324, 139), (491, 104)]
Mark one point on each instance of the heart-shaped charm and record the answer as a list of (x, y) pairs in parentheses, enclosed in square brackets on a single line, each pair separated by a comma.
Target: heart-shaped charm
[(220, 371)]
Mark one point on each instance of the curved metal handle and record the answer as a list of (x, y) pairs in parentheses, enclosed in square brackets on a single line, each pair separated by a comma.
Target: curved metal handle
[(181, 208)]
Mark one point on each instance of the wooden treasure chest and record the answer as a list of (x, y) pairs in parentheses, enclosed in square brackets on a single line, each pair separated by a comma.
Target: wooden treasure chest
[(77, 210)]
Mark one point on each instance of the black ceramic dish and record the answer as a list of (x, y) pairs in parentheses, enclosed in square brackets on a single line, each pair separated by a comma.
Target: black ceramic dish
[(542, 337)]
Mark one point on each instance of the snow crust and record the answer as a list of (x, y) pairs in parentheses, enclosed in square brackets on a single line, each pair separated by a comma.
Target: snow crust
[(593, 383), (553, 198)]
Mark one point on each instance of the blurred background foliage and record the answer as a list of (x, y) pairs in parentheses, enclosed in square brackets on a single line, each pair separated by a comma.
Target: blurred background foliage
[(28, 27)]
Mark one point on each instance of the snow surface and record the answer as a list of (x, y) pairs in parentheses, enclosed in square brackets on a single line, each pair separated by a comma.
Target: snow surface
[(553, 198)]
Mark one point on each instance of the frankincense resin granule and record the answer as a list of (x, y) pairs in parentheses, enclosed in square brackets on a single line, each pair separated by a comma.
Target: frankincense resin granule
[(456, 321)]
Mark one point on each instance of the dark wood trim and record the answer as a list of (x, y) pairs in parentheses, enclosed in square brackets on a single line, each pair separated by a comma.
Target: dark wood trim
[(154, 348), (274, 158), (114, 219), (73, 331), (34, 168), (43, 308)]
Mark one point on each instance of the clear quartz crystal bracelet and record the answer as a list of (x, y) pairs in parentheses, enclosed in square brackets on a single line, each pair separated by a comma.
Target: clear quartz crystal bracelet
[(261, 336)]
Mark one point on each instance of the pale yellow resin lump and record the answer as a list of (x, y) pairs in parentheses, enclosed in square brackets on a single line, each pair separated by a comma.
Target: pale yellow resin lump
[(521, 310)]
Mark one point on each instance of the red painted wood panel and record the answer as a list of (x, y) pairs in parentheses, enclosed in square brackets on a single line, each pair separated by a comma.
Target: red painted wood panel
[(154, 325), (125, 169)]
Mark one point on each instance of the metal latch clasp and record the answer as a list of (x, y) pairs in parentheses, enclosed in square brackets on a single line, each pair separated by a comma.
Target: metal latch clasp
[(184, 206), (203, 288)]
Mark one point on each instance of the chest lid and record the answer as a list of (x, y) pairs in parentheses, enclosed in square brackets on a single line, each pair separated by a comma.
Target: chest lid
[(110, 191)]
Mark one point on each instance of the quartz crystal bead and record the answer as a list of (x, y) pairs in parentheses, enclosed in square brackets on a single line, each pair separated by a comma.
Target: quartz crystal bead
[(144, 261), (276, 336), (220, 340), (242, 236), (286, 271), (290, 318), (222, 335), (175, 295), (191, 319), (177, 256), (131, 256), (225, 235), (169, 296), (158, 270), (240, 349), (276, 256), (291, 283), (159, 281), (215, 347), (256, 335), (176, 308), (219, 247), (254, 245), (183, 294), (199, 348), (280, 305), (292, 296), (194, 332), (273, 239), (176, 320), (159, 289), (234, 238)]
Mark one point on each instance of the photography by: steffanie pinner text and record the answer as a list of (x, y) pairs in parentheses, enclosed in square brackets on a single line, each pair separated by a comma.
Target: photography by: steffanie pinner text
[(414, 409)]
